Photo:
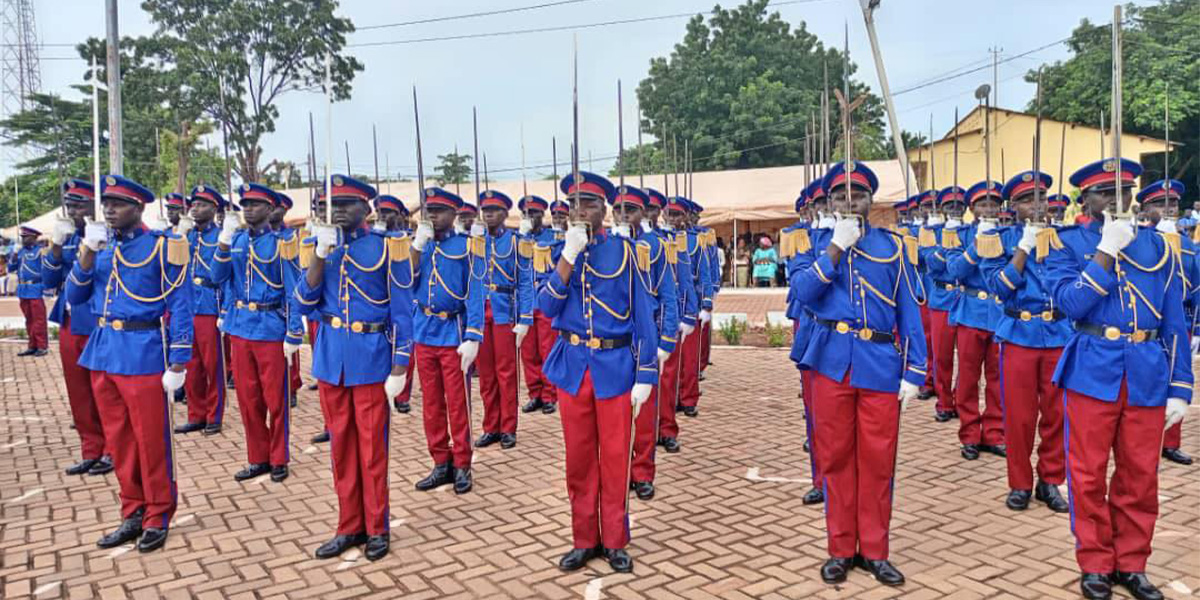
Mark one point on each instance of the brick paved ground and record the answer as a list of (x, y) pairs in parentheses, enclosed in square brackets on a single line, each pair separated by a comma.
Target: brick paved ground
[(727, 523)]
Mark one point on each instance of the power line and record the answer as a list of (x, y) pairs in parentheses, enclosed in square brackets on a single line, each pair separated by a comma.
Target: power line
[(983, 68), (489, 13)]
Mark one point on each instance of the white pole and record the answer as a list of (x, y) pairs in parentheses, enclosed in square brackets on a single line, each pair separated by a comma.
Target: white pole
[(901, 154), (96, 138)]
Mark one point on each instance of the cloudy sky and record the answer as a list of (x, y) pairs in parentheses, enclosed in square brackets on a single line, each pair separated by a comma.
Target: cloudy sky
[(523, 80)]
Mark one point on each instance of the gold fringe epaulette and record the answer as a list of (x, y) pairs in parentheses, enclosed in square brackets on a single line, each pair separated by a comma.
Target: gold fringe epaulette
[(988, 245), (643, 256), (541, 259), (289, 249), (794, 242), (928, 238), (525, 248), (308, 252), (178, 252), (398, 248), (1175, 242), (478, 246), (671, 251), (1047, 240), (910, 249), (950, 239), (1196, 235)]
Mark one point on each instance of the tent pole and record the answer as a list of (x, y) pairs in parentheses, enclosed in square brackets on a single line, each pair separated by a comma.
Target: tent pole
[(733, 253)]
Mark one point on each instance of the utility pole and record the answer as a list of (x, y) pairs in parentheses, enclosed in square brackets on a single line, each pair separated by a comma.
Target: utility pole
[(996, 75), (116, 163)]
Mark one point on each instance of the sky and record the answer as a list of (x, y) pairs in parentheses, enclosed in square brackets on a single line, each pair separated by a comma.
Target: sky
[(522, 83)]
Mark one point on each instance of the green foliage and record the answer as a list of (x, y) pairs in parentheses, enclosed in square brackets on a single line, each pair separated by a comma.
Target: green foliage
[(777, 335), (454, 168), (732, 330)]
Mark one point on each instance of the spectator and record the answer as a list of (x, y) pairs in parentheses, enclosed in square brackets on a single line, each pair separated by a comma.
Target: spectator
[(721, 259), (766, 262)]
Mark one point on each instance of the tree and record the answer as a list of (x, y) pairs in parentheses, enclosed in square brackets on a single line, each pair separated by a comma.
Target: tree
[(453, 168), (743, 88), (259, 51), (1161, 46)]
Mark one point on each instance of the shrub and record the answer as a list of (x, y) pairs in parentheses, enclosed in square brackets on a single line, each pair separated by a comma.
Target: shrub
[(732, 331), (776, 335)]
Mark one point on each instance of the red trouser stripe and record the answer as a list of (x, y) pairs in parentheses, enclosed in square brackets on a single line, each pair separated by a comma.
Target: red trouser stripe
[(261, 379), (34, 310), (358, 418), (942, 344), (596, 435), (206, 373), (444, 405), (1113, 521), (977, 352), (1031, 403), (497, 366), (84, 412)]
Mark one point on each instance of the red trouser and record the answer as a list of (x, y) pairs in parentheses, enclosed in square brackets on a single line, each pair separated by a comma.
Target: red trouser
[(596, 434), (261, 380), (358, 418), (405, 395), (205, 382), (34, 310), (668, 394), (976, 352), (857, 434), (294, 381), (1113, 522), (533, 357), (497, 366), (1174, 436), (1027, 392), (645, 439), (806, 392), (137, 419), (705, 344), (84, 411), (925, 324), (689, 377), (444, 404), (942, 343)]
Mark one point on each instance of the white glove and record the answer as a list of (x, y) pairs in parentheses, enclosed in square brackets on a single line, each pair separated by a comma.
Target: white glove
[(520, 330), (290, 349), (186, 224), (986, 226), (478, 230), (1117, 234), (422, 236), (622, 230), (705, 316), (63, 228), (228, 228), (1176, 408), (94, 235), (394, 385), (577, 239), (459, 228), (639, 396), (327, 239), (379, 226), (826, 222), (1195, 345), (663, 355), (934, 219), (172, 381), (952, 223), (686, 330), (526, 227), (646, 227), (908, 391), (1167, 226), (846, 233), (468, 351), (1029, 238)]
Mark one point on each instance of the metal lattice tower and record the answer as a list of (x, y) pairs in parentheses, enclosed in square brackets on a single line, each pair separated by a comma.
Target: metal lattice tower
[(20, 64)]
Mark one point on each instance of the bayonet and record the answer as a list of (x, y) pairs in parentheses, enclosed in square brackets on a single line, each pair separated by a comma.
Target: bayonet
[(420, 158)]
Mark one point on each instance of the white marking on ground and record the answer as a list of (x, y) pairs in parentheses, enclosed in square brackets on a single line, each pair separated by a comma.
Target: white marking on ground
[(120, 551), (22, 419), (26, 495), (11, 445), (396, 523), (1180, 587), (752, 475), (592, 591), (349, 559), (42, 589), (8, 380), (185, 519), (310, 449)]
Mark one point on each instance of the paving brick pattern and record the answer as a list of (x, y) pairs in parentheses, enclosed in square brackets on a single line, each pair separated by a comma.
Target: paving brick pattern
[(727, 522)]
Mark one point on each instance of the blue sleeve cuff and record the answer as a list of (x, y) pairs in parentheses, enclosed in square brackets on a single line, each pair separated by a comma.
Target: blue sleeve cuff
[(647, 375), (1097, 278), (294, 338), (825, 269)]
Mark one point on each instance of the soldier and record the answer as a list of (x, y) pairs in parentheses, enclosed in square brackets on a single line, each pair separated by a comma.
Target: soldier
[(940, 234), (545, 256), (130, 281), (1127, 360), (392, 221), (285, 233), (75, 324), (604, 365), (679, 215), (508, 312), (534, 233), (1031, 332), (206, 371), (264, 330), (708, 238), (1056, 207), (924, 209), (466, 218), (176, 207), (27, 262), (447, 328), (975, 315)]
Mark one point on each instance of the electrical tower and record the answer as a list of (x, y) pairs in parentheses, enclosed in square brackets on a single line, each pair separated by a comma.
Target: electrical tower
[(20, 65)]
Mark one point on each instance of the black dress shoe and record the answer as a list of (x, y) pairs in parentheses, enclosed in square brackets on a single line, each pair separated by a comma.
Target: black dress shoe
[(340, 544), (1048, 493), (181, 396), (292, 402), (82, 466), (312, 387), (1138, 585), (229, 382), (970, 451), (1095, 586), (1177, 456), (925, 393), (942, 416), (129, 530), (279, 473), (212, 429), (441, 475), (997, 449), (462, 481), (252, 471), (550, 408), (1018, 499), (321, 438), (27, 352), (835, 569), (377, 547), (508, 440), (40, 352), (152, 539), (882, 571), (103, 465), (403, 408), (487, 439), (807, 449), (670, 444), (190, 427), (619, 560), (814, 496), (576, 559), (643, 489), (691, 411), (534, 405)]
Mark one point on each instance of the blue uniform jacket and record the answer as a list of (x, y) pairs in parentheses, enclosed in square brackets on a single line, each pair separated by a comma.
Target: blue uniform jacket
[(939, 284), (1039, 323), (816, 241), (363, 304), (27, 264), (660, 282), (137, 277), (976, 306), (54, 276), (449, 291), (261, 271), (1143, 292), (1191, 271), (607, 298), (508, 279), (680, 270), (701, 271), (204, 288), (873, 286)]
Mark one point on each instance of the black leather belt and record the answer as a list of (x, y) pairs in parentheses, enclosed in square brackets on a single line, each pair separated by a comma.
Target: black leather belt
[(446, 314), (865, 334), (1047, 315), (949, 287), (976, 293), (593, 342), (1113, 333), (124, 325), (259, 306), (204, 282), (503, 289), (355, 326)]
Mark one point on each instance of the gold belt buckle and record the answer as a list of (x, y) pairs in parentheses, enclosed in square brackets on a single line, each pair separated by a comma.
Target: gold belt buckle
[(356, 327), (253, 306), (594, 343), (118, 324), (1138, 336), (982, 295), (1026, 315), (336, 322), (1047, 315), (865, 334), (949, 287), (574, 339), (198, 281), (842, 327), (1112, 333)]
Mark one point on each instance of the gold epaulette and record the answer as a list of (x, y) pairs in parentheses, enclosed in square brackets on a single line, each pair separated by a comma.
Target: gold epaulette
[(794, 242), (478, 246), (928, 238), (950, 239), (1047, 240), (541, 259), (643, 256), (1174, 241), (910, 249), (525, 248), (178, 252), (398, 248), (1196, 235), (670, 251), (289, 249), (308, 252), (988, 245)]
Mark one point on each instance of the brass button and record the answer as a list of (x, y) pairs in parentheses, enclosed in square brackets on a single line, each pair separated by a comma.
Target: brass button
[(252, 306), (842, 327), (336, 322), (1138, 336), (1026, 315), (356, 327), (1112, 333), (594, 343), (118, 324), (982, 295), (865, 334), (198, 281), (574, 339), (1047, 315)]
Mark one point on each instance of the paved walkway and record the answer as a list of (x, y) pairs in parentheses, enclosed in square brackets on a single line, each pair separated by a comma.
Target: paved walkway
[(727, 522)]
